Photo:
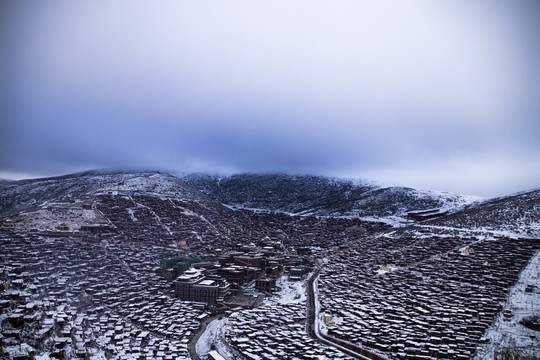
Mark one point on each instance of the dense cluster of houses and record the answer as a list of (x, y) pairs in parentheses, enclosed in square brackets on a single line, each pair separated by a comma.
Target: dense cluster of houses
[(141, 217), (104, 290), (275, 331), (74, 298), (411, 298), (304, 233), (101, 290)]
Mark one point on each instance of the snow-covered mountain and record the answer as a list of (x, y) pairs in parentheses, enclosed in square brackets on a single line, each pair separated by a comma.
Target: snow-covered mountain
[(94, 240), (144, 206), (514, 214), (24, 195), (45, 202), (316, 195)]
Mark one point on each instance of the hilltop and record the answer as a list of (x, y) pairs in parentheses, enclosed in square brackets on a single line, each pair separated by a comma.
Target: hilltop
[(318, 195), (145, 206)]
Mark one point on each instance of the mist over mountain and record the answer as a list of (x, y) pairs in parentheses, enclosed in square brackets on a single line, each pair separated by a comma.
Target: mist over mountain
[(292, 255)]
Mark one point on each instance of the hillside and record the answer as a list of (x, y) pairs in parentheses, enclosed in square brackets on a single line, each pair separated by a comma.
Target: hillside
[(316, 195), (85, 252), (516, 214), (194, 203), (149, 207), (25, 195)]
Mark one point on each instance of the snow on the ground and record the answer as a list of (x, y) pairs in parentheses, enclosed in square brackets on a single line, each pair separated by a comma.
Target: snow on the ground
[(506, 331), (291, 291), (151, 182), (386, 269), (317, 326), (474, 231), (214, 336), (394, 221), (453, 202), (48, 219), (132, 214), (42, 357), (525, 228), (96, 354), (18, 350)]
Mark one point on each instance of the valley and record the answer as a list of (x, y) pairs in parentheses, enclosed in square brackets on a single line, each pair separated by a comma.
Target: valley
[(85, 275)]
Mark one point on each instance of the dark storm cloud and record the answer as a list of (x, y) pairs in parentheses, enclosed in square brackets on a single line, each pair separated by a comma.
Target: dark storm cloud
[(437, 95)]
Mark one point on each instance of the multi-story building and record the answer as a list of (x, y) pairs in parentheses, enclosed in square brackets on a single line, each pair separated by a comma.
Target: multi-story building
[(238, 274), (265, 284), (193, 285)]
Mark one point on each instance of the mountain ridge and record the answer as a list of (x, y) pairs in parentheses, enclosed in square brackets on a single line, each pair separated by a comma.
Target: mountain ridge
[(142, 206), (318, 195), (513, 214), (28, 194), (290, 194)]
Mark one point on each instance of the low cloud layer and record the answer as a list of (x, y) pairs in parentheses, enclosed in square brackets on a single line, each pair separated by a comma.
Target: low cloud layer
[(439, 95)]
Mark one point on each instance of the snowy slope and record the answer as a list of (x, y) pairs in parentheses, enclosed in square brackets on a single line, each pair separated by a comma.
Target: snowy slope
[(515, 214), (507, 334), (141, 206), (316, 195), (25, 195)]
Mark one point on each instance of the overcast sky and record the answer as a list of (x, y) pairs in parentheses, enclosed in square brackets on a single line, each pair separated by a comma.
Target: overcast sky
[(441, 95)]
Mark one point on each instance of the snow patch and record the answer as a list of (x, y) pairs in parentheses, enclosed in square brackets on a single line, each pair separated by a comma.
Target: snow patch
[(213, 338), (386, 269), (523, 301), (292, 292)]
